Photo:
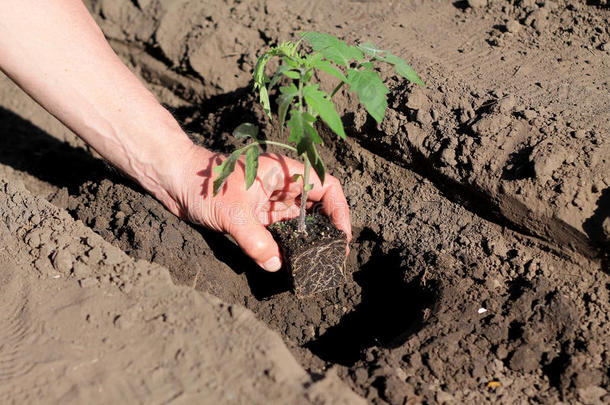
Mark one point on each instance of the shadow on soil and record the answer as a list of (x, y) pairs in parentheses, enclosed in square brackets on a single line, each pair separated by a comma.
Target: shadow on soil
[(263, 284), (391, 310), (461, 4), (27, 148), (228, 110), (594, 227), (518, 166)]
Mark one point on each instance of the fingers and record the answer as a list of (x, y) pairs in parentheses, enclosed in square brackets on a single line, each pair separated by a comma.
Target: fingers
[(330, 194), (276, 215), (274, 211), (333, 202), (256, 241), (290, 191)]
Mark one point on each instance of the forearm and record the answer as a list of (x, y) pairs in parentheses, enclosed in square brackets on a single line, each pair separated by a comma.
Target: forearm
[(58, 55)]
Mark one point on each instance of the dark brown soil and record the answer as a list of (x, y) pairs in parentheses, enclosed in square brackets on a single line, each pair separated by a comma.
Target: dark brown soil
[(315, 257), (479, 206)]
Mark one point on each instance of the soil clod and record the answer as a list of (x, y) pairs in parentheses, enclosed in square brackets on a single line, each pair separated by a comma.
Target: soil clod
[(315, 258)]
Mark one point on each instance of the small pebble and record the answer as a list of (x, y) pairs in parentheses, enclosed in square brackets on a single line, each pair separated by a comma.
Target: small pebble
[(506, 104), (477, 3), (513, 26), (112, 256), (579, 134), (443, 397), (606, 228), (62, 261), (81, 270), (121, 322), (529, 114), (360, 376)]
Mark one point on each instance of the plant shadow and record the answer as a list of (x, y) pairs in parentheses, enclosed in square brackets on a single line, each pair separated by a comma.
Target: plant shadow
[(391, 310)]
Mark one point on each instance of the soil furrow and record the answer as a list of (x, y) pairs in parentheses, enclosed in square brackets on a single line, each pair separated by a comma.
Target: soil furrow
[(477, 206)]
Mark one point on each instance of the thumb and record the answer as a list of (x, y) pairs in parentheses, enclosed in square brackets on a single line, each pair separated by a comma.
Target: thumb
[(256, 241)]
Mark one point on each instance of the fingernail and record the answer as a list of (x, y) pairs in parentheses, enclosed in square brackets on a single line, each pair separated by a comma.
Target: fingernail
[(272, 264)]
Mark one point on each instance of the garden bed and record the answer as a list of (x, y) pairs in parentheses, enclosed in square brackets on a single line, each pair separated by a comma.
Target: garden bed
[(477, 269)]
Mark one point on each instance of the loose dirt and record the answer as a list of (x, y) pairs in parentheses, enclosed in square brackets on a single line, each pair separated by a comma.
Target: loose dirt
[(481, 208), (315, 259)]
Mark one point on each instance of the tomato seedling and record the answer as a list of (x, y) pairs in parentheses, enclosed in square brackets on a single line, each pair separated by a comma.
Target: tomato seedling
[(306, 102)]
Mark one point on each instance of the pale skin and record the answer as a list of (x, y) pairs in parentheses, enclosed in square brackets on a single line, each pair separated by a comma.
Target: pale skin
[(55, 51)]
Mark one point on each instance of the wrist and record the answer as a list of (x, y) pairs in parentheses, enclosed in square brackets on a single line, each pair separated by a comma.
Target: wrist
[(170, 174), (159, 166)]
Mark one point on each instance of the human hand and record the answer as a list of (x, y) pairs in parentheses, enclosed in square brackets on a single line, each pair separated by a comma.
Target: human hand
[(244, 214)]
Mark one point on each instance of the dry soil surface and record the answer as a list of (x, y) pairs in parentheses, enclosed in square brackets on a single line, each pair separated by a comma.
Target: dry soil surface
[(481, 209)]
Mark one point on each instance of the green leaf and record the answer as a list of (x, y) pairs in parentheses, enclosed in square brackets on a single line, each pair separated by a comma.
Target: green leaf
[(297, 126), (368, 65), (246, 130), (290, 89), (251, 165), (371, 91), (264, 100), (278, 75), (332, 48), (307, 76), (309, 117), (305, 136), (284, 101), (287, 48), (311, 132), (290, 62), (370, 49), (274, 80), (291, 74), (260, 78), (301, 127), (402, 68), (327, 67), (225, 169), (400, 65), (318, 100)]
